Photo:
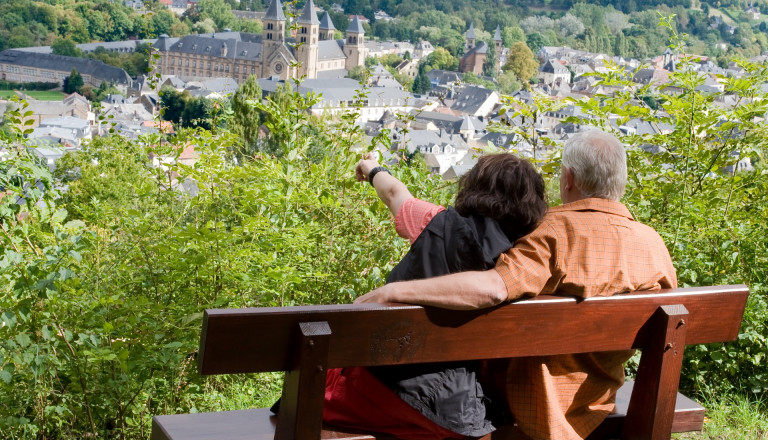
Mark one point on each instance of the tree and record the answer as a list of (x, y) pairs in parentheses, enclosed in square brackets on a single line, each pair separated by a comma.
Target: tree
[(421, 84), (512, 34), (537, 24), (536, 41), (359, 73), (162, 22), (73, 82), (508, 83), (246, 118), (616, 21), (441, 59), (521, 62), (570, 25), (65, 47), (172, 104), (219, 11), (489, 66)]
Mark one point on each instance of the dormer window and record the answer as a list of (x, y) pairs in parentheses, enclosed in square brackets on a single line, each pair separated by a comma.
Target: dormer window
[(243, 53), (194, 46), (181, 45), (207, 49)]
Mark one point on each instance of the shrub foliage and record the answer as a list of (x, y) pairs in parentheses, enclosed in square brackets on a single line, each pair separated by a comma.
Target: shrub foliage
[(107, 266)]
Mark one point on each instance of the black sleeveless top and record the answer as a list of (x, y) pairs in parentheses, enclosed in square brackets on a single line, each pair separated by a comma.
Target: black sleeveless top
[(447, 394)]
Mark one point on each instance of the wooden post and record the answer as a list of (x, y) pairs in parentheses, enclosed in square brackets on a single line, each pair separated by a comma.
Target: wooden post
[(301, 407), (652, 405)]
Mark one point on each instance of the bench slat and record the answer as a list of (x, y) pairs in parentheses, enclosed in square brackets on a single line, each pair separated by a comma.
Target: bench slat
[(234, 341), (259, 424)]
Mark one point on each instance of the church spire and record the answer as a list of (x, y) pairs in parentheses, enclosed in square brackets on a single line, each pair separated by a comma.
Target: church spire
[(275, 11), (308, 14)]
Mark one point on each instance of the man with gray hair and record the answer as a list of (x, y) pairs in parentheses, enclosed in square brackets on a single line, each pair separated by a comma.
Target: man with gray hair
[(589, 246)]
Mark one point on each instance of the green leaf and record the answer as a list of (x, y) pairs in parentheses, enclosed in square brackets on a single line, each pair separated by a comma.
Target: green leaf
[(46, 332), (23, 339), (9, 318)]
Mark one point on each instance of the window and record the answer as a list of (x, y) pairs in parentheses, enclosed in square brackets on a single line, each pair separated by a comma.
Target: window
[(269, 26), (269, 36)]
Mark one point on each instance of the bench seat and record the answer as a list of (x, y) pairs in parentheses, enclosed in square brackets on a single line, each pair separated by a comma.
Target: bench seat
[(259, 424)]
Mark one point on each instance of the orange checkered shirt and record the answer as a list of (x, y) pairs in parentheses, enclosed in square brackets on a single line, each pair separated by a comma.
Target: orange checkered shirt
[(591, 247)]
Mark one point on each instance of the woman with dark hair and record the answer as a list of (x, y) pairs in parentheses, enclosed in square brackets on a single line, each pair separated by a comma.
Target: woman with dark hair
[(498, 201)]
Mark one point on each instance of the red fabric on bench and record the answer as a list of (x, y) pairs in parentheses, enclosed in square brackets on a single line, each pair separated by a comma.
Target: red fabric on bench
[(355, 399)]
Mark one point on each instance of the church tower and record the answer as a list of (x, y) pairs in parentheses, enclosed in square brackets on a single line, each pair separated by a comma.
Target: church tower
[(497, 41), (307, 38), (326, 27), (470, 38), (354, 46), (273, 34)]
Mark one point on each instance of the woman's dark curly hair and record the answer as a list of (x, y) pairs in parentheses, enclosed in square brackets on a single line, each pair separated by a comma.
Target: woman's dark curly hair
[(505, 188)]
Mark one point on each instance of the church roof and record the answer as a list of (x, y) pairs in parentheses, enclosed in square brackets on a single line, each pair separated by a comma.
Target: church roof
[(308, 14), (329, 50), (275, 11), (480, 48), (497, 34), (471, 32), (226, 48), (84, 66), (356, 26), (326, 24)]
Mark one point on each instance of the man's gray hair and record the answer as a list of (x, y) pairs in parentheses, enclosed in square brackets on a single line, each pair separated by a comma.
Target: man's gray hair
[(598, 162)]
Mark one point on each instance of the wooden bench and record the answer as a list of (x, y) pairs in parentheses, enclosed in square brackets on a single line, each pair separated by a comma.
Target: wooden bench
[(306, 341)]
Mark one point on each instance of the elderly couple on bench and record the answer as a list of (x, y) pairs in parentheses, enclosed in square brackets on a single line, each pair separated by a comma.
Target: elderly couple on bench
[(501, 243)]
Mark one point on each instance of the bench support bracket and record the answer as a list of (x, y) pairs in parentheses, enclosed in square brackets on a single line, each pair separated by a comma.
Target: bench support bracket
[(652, 405), (301, 407)]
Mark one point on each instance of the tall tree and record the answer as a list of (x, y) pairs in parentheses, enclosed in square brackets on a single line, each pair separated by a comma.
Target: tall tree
[(521, 62), (73, 82), (65, 47), (421, 84), (246, 117)]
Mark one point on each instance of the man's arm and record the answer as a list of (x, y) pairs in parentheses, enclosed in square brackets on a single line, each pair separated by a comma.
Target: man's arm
[(458, 291)]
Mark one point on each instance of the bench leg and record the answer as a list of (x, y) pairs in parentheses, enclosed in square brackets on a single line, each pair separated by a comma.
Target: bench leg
[(301, 407), (652, 405)]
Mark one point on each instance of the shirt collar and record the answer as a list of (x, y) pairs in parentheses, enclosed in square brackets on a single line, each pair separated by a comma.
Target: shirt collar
[(595, 204)]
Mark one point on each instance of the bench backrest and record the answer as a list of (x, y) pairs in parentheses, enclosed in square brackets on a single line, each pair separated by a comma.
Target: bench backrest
[(305, 341)]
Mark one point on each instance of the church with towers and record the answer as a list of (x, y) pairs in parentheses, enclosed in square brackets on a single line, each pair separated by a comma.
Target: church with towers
[(311, 52), (476, 53)]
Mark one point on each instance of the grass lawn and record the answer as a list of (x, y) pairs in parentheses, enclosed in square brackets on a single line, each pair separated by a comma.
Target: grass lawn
[(41, 95), (732, 417)]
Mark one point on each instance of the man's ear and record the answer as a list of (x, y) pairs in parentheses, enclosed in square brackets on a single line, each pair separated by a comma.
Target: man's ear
[(568, 179)]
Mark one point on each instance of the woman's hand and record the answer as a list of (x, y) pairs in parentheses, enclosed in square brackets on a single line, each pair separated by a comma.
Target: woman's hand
[(365, 166)]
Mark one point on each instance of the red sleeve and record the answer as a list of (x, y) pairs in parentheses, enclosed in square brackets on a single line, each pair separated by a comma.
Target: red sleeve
[(413, 217)]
